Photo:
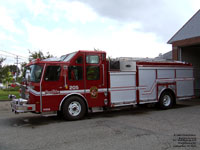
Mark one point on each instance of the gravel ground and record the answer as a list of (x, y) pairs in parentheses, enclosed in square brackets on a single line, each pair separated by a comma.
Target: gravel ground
[(139, 128)]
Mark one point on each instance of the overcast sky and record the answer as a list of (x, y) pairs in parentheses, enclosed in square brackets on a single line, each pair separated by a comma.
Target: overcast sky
[(133, 28)]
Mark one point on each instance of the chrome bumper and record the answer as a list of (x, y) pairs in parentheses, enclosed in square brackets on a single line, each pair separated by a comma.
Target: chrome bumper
[(20, 106)]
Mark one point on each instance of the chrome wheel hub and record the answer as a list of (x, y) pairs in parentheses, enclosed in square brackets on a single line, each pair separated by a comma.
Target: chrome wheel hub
[(74, 108), (166, 100)]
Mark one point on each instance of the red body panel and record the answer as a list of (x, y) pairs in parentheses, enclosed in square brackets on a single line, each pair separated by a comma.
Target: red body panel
[(50, 94)]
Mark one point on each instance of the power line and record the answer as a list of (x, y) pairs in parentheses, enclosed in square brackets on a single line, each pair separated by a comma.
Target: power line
[(13, 57), (17, 57), (6, 55), (13, 54)]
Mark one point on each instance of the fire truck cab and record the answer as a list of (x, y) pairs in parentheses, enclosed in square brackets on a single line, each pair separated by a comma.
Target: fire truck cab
[(83, 80)]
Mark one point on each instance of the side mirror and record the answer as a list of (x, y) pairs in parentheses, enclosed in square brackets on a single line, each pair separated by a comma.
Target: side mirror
[(29, 78), (28, 75)]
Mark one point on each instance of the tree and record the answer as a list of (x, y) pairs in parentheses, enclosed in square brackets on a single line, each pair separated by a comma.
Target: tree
[(1, 60), (23, 65), (22, 70), (39, 54), (7, 78), (1, 69), (7, 72), (14, 69)]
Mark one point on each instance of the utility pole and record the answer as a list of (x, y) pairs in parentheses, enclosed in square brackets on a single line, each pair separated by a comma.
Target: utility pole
[(17, 57), (17, 62)]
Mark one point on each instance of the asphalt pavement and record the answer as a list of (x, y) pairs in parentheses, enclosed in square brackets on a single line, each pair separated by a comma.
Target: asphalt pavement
[(139, 128)]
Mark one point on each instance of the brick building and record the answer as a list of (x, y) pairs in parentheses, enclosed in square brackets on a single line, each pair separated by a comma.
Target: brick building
[(186, 46)]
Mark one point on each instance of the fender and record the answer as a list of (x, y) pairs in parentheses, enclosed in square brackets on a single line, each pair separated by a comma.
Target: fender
[(168, 86), (73, 94)]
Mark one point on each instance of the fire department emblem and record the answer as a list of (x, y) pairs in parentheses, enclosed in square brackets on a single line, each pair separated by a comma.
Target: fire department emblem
[(94, 92)]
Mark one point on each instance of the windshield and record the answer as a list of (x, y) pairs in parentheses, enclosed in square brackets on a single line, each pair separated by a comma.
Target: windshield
[(34, 72), (63, 57), (68, 57)]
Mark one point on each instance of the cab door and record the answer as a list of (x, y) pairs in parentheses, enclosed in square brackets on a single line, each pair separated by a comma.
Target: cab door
[(75, 76), (51, 86), (95, 79)]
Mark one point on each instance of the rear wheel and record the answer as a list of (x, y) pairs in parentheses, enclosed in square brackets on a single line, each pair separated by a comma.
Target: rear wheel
[(166, 100), (73, 108)]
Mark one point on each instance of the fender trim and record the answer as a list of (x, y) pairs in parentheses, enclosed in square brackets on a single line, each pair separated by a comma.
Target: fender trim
[(73, 94)]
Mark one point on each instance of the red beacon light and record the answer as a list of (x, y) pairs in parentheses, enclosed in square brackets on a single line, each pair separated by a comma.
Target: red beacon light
[(36, 60)]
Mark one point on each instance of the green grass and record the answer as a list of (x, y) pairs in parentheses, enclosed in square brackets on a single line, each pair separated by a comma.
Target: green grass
[(4, 94)]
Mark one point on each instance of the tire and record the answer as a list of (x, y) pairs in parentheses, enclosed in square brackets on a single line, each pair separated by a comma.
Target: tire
[(166, 100), (73, 108), (59, 114)]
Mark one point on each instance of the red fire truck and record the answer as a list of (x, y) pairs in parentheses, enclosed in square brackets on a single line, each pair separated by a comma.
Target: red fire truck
[(85, 80)]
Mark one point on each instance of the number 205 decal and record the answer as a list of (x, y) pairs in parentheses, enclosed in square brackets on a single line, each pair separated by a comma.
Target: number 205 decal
[(73, 87)]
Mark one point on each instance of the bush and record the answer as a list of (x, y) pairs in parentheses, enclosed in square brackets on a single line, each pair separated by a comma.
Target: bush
[(12, 89), (4, 94)]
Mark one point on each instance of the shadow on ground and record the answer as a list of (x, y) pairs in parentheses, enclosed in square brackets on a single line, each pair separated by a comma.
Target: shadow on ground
[(33, 121)]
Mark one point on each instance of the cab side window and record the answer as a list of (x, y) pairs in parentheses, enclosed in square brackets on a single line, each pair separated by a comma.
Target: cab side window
[(52, 73), (93, 72), (75, 73), (92, 59), (92, 69)]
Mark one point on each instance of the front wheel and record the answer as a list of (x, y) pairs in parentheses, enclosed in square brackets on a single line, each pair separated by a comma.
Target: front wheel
[(166, 100), (74, 108)]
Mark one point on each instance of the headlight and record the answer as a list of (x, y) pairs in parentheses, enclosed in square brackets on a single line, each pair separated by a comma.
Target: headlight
[(22, 101), (27, 96)]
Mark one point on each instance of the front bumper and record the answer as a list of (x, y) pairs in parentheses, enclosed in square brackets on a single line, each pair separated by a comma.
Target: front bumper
[(20, 106)]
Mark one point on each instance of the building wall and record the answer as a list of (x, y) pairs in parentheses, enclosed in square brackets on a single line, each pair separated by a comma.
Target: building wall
[(192, 54), (174, 52), (189, 51), (183, 43)]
